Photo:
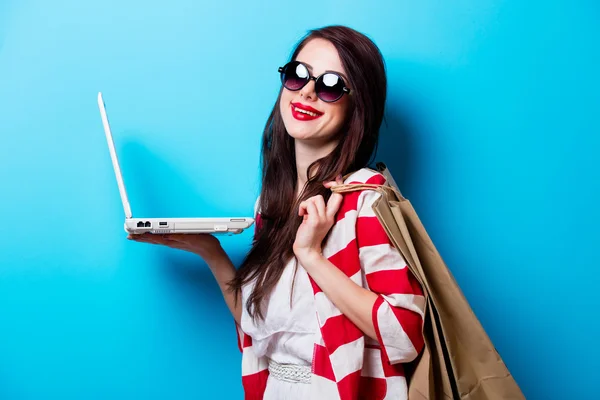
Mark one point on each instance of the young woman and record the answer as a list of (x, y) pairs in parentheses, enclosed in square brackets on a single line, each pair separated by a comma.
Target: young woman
[(325, 306)]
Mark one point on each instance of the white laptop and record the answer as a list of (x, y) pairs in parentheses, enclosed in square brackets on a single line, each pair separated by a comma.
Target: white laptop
[(230, 225)]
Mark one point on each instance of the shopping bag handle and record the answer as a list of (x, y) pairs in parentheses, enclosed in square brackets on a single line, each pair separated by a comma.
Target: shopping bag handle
[(385, 171)]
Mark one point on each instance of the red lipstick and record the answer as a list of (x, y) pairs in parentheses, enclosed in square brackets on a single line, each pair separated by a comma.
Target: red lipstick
[(304, 116)]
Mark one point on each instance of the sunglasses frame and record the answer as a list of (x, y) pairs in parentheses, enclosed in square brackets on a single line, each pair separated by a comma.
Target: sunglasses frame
[(310, 77)]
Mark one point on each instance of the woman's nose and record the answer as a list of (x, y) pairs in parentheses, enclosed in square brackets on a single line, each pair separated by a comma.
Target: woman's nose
[(308, 91)]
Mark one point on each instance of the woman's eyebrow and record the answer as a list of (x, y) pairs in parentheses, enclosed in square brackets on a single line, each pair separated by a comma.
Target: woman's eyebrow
[(337, 72)]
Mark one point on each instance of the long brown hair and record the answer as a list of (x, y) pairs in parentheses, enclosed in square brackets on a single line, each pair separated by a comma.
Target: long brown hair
[(272, 244)]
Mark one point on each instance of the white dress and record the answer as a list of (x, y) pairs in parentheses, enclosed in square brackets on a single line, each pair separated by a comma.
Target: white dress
[(287, 333)]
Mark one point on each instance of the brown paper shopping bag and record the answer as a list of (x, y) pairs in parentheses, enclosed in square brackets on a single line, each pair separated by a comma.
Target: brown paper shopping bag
[(459, 360)]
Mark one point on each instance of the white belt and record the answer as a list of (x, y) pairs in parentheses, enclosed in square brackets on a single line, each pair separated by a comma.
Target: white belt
[(290, 372)]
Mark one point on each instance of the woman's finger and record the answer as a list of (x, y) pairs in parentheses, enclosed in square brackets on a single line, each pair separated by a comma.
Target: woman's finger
[(333, 205), (138, 237), (319, 203), (151, 238), (302, 208), (338, 181), (313, 214)]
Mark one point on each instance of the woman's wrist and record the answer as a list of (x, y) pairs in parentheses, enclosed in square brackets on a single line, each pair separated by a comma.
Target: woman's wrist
[(308, 257), (220, 265)]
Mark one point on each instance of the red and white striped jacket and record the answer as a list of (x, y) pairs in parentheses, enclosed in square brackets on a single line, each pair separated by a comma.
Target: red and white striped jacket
[(348, 365)]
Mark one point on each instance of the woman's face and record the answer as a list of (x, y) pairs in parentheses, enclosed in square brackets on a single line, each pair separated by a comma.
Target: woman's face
[(320, 56)]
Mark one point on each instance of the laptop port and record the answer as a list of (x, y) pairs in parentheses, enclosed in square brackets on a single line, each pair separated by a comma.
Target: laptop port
[(162, 223), (140, 224), (148, 224)]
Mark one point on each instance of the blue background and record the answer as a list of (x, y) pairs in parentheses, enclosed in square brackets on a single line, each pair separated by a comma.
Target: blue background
[(491, 130)]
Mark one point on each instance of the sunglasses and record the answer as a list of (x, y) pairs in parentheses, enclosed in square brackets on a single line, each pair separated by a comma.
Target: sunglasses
[(329, 86)]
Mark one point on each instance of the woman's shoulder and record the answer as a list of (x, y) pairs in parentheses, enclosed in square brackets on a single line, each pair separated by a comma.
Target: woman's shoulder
[(365, 175), (360, 201)]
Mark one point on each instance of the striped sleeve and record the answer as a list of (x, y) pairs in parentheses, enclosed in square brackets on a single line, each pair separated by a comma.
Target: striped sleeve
[(254, 369), (398, 312)]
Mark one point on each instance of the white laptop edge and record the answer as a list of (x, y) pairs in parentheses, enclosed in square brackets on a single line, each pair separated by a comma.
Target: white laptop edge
[(231, 225)]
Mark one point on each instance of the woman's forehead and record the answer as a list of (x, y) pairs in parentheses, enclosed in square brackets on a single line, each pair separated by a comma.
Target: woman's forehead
[(321, 55)]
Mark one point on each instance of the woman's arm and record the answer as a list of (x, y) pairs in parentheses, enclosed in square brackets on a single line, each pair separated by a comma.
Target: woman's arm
[(391, 310), (352, 300), (210, 250), (224, 271)]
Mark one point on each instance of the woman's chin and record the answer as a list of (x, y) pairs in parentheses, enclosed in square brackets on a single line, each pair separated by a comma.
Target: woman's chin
[(301, 135)]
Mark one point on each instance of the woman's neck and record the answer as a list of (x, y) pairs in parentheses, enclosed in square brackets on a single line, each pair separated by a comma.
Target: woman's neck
[(308, 152)]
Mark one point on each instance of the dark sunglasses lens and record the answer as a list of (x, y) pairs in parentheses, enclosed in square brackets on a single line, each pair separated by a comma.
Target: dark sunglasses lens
[(294, 76), (330, 87)]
